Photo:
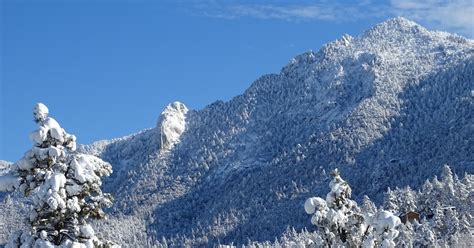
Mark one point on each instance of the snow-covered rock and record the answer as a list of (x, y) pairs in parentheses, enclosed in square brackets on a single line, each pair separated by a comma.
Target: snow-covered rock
[(172, 123)]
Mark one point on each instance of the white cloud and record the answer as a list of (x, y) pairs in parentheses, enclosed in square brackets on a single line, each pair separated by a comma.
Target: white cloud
[(455, 15), (451, 15), (291, 12)]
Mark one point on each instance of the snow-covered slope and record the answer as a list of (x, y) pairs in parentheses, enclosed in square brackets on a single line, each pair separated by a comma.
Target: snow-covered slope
[(388, 108)]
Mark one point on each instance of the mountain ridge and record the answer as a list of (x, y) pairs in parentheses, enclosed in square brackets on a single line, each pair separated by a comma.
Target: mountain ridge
[(337, 101), (243, 168)]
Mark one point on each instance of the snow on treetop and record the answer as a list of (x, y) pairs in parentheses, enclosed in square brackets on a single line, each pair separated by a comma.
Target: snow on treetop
[(64, 187), (49, 126), (314, 203), (40, 112)]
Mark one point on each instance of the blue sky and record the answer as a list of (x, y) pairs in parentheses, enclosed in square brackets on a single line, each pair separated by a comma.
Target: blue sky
[(107, 68)]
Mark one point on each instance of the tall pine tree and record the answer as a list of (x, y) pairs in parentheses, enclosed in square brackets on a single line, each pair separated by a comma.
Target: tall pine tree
[(63, 185)]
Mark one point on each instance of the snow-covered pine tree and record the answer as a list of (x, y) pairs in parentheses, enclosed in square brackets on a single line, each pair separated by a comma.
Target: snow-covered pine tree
[(405, 235), (332, 215), (424, 236), (64, 187), (424, 199), (463, 194), (390, 201), (341, 223), (406, 199), (368, 207), (447, 191)]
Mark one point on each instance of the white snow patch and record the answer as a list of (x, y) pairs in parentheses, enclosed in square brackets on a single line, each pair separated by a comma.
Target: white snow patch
[(313, 203), (384, 220), (40, 112), (84, 167), (48, 124)]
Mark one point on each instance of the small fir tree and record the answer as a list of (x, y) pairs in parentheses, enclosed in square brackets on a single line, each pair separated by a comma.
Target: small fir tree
[(341, 223), (63, 185)]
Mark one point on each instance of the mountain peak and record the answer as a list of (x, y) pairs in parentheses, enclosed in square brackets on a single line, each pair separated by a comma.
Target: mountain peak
[(394, 27), (400, 21)]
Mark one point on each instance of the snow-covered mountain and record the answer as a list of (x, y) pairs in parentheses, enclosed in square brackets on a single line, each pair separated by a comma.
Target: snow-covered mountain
[(388, 108)]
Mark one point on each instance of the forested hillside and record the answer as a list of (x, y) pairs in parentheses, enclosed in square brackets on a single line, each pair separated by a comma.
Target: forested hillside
[(388, 108)]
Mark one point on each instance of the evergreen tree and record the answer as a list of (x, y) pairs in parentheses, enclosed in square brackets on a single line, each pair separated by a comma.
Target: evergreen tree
[(452, 224), (424, 236), (424, 199), (390, 201), (342, 223), (405, 236), (406, 199), (447, 192), (64, 187), (368, 207)]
